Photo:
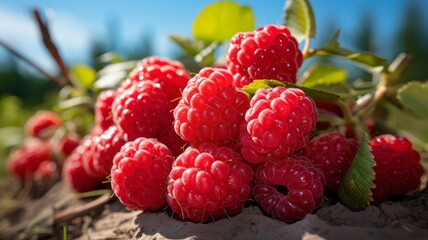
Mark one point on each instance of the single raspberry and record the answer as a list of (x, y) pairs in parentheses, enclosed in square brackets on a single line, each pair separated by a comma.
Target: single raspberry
[(269, 52), (66, 144), (75, 175), (207, 183), (24, 161), (289, 189), (142, 110), (171, 75), (41, 123), (211, 109), (331, 153), (139, 174), (398, 170), (103, 112), (278, 123), (104, 148)]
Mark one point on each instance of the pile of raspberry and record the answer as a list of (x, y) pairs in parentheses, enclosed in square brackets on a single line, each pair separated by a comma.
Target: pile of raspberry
[(201, 146)]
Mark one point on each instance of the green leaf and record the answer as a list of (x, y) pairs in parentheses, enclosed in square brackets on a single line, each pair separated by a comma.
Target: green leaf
[(367, 61), (313, 93), (324, 75), (355, 188), (190, 47), (299, 19), (111, 75), (414, 97), (219, 21), (83, 75)]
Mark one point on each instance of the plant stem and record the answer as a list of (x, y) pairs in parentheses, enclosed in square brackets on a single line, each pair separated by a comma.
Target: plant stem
[(306, 51)]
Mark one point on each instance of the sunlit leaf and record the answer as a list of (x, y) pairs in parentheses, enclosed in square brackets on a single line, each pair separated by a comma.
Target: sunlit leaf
[(83, 75), (355, 188), (414, 97), (190, 47), (299, 19), (324, 75), (219, 21), (368, 61)]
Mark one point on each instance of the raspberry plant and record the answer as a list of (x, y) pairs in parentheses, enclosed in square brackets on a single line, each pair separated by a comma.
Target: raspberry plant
[(206, 136)]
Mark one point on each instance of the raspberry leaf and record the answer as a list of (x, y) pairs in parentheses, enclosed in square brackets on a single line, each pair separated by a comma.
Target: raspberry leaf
[(324, 75), (111, 75), (414, 97), (219, 21), (82, 75), (354, 190), (367, 61), (311, 92), (300, 19), (190, 47)]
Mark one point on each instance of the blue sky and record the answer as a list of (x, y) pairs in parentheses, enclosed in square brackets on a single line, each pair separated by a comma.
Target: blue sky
[(75, 24)]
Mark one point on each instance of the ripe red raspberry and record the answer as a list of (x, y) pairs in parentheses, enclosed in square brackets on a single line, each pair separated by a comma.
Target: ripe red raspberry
[(171, 75), (207, 183), (397, 170), (103, 112), (41, 123), (269, 52), (211, 109), (139, 174), (24, 161), (142, 110), (75, 175), (66, 144), (331, 154), (278, 123), (104, 148), (46, 171), (289, 189)]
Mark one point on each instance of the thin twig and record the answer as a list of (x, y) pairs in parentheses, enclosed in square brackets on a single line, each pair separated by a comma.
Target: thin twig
[(49, 44), (51, 78)]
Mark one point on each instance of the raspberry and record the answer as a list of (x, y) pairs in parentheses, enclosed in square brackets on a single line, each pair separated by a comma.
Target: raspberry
[(40, 124), (289, 189), (397, 170), (171, 75), (66, 144), (103, 112), (278, 123), (46, 171), (207, 183), (331, 154), (269, 52), (24, 161), (141, 110), (75, 175), (139, 174), (104, 148), (211, 109)]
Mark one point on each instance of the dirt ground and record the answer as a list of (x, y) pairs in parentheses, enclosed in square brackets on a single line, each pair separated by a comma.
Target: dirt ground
[(61, 211)]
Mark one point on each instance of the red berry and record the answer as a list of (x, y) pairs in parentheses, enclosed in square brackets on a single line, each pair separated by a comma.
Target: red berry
[(211, 109), (171, 75), (46, 171), (75, 175), (278, 123), (24, 161), (41, 122), (207, 183), (103, 112), (331, 154), (269, 52), (289, 189), (398, 170), (66, 144), (142, 110), (139, 174)]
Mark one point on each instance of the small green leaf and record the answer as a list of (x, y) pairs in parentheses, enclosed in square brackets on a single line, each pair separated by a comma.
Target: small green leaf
[(83, 75), (355, 188), (324, 75), (313, 93), (111, 75), (219, 21), (299, 19), (368, 61), (340, 89), (73, 102), (190, 47), (414, 97)]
